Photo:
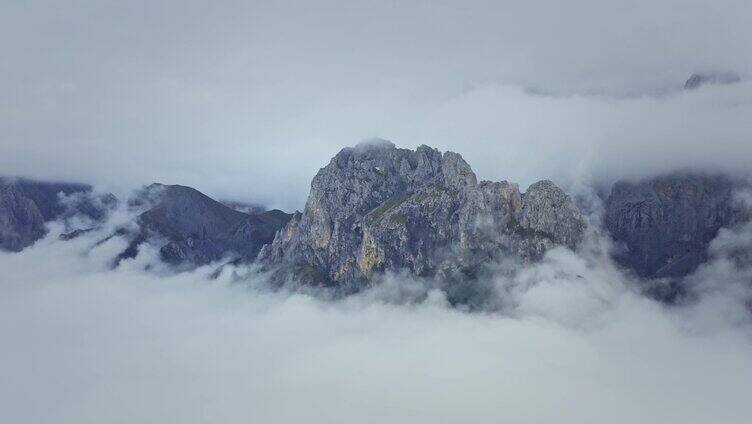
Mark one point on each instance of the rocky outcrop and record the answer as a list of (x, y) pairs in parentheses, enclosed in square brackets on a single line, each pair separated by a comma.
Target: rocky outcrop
[(719, 78), (375, 207), (665, 224), (25, 207), (194, 229)]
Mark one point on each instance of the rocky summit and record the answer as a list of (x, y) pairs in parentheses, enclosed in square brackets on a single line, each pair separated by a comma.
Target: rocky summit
[(375, 208)]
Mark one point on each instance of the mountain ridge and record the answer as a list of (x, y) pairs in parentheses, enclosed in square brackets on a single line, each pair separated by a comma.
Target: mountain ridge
[(376, 208)]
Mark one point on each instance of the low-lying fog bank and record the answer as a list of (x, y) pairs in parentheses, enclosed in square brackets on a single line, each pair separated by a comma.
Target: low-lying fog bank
[(572, 341)]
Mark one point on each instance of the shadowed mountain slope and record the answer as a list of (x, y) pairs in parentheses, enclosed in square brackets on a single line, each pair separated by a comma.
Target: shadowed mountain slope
[(197, 229), (666, 223), (26, 205)]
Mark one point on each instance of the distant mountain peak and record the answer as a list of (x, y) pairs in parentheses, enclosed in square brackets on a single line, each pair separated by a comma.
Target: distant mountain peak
[(699, 79)]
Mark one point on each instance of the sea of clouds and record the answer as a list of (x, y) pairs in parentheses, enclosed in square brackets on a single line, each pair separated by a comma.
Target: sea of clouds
[(569, 339)]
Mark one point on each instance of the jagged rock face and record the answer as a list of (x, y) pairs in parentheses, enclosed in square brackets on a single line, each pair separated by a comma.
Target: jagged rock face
[(548, 210), (197, 229), (376, 208), (666, 223), (325, 237), (21, 222), (26, 205)]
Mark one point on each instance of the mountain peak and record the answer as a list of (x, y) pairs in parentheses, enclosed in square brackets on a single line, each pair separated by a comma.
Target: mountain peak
[(699, 79), (377, 208)]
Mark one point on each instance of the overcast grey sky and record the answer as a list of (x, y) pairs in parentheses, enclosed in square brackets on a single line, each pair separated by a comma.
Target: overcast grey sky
[(247, 99)]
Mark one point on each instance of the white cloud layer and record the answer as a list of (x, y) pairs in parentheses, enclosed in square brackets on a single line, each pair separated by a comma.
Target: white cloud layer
[(576, 343)]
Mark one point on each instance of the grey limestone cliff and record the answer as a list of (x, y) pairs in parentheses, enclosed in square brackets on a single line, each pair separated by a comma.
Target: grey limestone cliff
[(375, 207)]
